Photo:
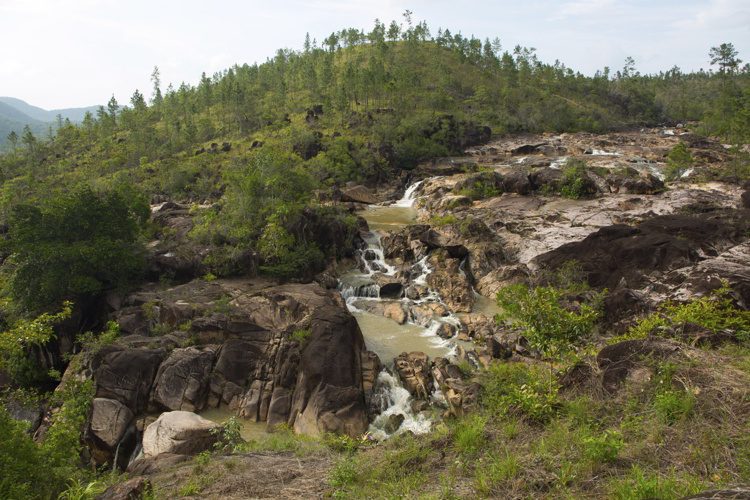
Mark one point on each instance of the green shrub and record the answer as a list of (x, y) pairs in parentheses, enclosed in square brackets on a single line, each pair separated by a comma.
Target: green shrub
[(301, 335), (229, 435), (74, 247), (443, 220), (575, 183), (549, 327), (714, 312), (679, 160), (93, 343), (518, 388), (603, 448)]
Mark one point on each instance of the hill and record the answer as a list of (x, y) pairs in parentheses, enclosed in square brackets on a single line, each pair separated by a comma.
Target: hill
[(15, 114)]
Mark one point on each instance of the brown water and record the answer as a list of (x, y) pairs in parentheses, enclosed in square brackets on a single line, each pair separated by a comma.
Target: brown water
[(485, 306), (388, 339), (389, 218), (248, 430)]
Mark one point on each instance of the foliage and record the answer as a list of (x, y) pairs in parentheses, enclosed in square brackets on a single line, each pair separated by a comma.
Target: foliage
[(575, 183), (74, 246), (301, 335), (93, 343), (515, 388), (550, 328), (22, 463), (228, 435), (679, 160), (604, 447), (714, 312), (443, 220), (23, 335)]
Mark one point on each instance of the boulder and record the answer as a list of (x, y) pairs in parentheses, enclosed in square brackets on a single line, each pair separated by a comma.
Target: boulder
[(109, 421), (329, 394), (617, 360), (132, 489), (358, 194), (448, 280), (126, 375), (179, 432), (182, 380), (414, 371), (517, 182)]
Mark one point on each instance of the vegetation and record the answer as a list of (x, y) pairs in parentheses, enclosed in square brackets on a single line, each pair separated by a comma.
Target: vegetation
[(679, 161)]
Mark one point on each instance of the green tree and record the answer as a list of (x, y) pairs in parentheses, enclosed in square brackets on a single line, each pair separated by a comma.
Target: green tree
[(725, 56), (75, 247)]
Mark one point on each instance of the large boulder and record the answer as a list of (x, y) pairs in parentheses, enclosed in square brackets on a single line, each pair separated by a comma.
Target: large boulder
[(358, 194), (179, 432), (450, 282), (110, 427), (126, 375), (329, 395), (182, 380)]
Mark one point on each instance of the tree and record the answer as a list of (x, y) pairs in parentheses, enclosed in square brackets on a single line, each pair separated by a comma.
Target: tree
[(156, 80), (725, 56), (13, 140), (75, 246)]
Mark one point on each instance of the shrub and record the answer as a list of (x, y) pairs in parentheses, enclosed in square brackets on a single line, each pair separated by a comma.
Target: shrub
[(603, 448), (714, 312), (229, 435), (516, 387), (549, 327), (575, 183), (679, 160)]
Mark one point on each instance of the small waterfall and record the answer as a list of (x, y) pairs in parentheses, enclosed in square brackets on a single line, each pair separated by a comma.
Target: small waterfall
[(396, 400), (372, 256), (410, 196)]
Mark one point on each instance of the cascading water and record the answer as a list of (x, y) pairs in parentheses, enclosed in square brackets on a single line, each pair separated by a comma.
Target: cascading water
[(386, 337)]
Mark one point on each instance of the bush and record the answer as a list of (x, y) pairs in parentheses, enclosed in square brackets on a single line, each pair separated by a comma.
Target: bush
[(229, 435), (518, 388), (575, 182), (549, 327), (714, 312), (679, 160), (603, 448)]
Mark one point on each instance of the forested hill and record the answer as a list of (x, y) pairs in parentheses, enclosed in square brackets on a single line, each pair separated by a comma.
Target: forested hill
[(359, 106)]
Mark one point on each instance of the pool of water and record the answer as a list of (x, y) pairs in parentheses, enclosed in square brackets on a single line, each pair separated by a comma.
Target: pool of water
[(248, 430), (389, 218)]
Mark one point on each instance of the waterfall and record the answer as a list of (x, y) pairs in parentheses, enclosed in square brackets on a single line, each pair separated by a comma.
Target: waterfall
[(410, 196), (396, 400)]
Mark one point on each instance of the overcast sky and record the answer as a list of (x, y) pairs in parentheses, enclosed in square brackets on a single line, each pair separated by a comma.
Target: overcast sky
[(65, 53)]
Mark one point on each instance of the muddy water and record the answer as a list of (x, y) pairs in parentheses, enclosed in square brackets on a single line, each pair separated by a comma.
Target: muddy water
[(390, 218), (248, 430), (388, 339)]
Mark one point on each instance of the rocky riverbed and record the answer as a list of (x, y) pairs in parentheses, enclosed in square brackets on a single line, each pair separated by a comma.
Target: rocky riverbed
[(374, 344)]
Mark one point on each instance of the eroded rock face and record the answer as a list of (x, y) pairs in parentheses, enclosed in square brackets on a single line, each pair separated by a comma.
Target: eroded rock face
[(448, 280), (178, 432), (182, 380), (358, 194), (329, 396), (414, 371), (664, 243)]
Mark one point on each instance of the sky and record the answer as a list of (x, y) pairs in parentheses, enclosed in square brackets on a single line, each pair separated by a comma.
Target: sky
[(69, 53)]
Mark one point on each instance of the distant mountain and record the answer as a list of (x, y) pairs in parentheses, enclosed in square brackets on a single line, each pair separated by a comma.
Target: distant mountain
[(43, 115), (15, 114)]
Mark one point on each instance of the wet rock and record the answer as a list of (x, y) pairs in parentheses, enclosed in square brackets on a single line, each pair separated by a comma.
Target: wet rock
[(393, 423), (182, 380), (499, 347), (445, 330), (371, 368), (396, 312), (547, 179), (178, 432), (528, 149), (414, 371)]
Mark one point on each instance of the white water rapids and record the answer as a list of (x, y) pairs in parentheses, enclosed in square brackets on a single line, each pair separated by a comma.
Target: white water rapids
[(384, 336)]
